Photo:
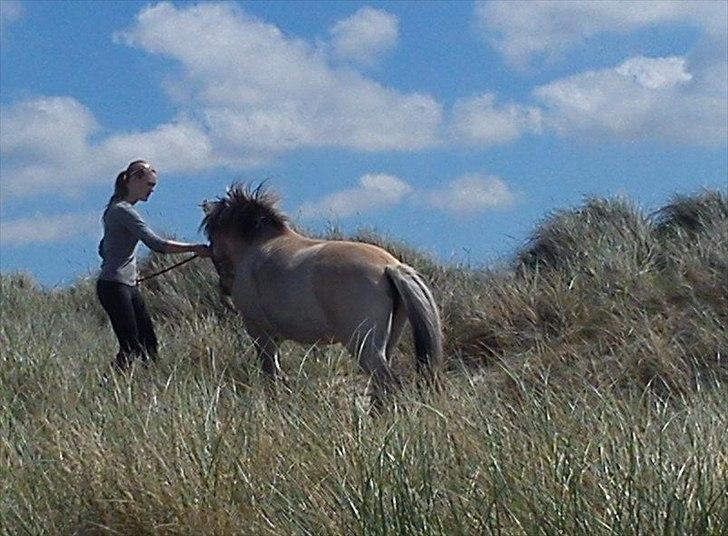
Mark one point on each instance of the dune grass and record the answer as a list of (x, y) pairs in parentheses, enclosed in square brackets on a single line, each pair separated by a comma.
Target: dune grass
[(585, 393)]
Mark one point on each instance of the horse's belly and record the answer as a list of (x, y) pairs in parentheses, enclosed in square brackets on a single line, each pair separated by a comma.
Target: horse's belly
[(302, 327), (304, 323), (305, 335)]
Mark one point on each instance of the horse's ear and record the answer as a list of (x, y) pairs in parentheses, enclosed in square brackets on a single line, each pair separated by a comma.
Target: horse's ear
[(208, 207)]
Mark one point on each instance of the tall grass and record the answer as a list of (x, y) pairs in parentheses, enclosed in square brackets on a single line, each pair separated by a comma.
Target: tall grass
[(585, 393)]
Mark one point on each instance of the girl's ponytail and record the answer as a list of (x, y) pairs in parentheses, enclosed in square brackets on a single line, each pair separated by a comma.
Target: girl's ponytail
[(120, 189)]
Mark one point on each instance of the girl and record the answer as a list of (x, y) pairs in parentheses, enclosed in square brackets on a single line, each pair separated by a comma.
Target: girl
[(117, 283)]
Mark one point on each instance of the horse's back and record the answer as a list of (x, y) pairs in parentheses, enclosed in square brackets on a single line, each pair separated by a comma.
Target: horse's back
[(353, 257)]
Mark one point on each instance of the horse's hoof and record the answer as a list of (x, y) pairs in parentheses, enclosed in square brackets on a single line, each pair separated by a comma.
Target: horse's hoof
[(104, 381)]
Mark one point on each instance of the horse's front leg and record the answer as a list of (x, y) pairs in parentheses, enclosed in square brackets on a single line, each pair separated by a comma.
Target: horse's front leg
[(267, 348)]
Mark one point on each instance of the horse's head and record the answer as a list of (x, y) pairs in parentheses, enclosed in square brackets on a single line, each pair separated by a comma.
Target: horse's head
[(221, 258), (244, 216)]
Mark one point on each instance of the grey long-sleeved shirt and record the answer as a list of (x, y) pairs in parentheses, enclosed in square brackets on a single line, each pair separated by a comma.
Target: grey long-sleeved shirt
[(123, 229)]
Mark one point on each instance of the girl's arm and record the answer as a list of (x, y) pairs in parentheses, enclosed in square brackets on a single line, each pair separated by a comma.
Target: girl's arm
[(136, 225), (201, 250)]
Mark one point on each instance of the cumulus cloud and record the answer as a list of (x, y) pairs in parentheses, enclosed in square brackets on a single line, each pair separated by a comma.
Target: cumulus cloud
[(177, 147), (10, 11), (245, 93), (655, 73), (481, 121), (258, 90), (471, 193), (44, 144), (44, 229), (642, 98), (678, 99), (35, 126), (466, 195), (375, 191), (528, 30), (365, 36), (48, 145)]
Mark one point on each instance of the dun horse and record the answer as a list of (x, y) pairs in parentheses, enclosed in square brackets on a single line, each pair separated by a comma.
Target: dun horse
[(289, 286)]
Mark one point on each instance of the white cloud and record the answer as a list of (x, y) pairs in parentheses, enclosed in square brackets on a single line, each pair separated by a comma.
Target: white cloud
[(679, 99), (642, 98), (655, 73), (466, 195), (528, 30), (471, 193), (375, 191), (365, 36), (10, 11), (258, 91), (480, 121), (246, 93), (35, 126), (43, 229), (44, 145), (47, 146), (179, 147)]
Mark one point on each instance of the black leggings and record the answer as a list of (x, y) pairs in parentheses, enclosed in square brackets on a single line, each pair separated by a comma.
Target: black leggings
[(130, 320)]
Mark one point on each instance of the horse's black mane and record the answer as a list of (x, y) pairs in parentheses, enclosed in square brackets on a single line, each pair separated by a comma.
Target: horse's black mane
[(246, 211)]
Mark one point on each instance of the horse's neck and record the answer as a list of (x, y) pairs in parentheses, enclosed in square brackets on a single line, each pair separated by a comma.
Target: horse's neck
[(289, 242)]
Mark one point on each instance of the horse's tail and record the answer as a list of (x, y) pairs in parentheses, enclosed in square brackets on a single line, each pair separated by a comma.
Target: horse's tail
[(422, 313)]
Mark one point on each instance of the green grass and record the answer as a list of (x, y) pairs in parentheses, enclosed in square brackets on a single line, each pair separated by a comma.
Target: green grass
[(585, 393)]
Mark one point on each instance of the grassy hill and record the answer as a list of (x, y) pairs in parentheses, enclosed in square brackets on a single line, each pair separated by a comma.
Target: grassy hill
[(586, 391)]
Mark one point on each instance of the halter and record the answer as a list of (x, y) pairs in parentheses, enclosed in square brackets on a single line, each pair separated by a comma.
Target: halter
[(142, 279)]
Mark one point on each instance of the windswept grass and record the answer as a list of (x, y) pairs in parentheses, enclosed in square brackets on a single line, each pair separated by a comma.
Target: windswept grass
[(585, 394)]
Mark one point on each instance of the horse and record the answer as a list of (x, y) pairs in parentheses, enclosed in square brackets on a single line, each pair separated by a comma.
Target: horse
[(287, 286)]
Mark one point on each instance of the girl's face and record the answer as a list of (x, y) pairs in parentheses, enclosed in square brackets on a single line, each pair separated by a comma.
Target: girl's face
[(141, 185)]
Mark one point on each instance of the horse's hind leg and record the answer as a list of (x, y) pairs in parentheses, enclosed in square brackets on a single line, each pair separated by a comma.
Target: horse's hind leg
[(399, 319), (369, 348)]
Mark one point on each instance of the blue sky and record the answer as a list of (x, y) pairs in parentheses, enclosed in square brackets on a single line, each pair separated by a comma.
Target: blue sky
[(455, 127)]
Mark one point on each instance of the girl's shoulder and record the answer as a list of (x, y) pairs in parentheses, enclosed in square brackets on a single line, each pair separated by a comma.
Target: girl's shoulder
[(122, 206), (121, 209)]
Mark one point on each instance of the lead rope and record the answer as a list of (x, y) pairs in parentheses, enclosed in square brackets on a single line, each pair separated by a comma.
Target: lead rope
[(142, 279)]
